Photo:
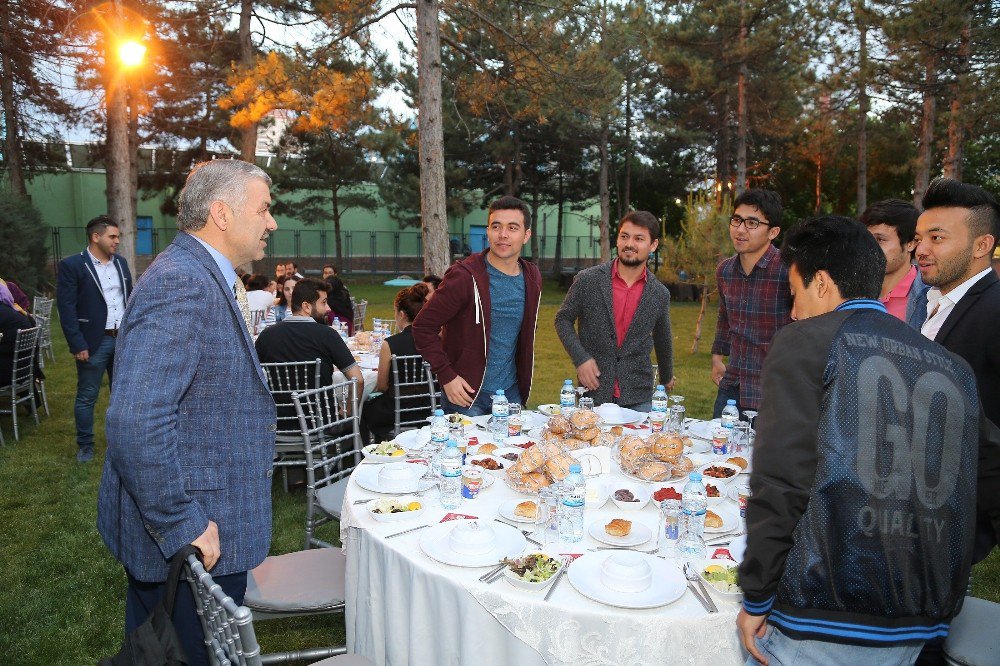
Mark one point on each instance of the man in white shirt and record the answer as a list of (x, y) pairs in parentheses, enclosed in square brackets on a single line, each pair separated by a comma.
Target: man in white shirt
[(92, 290)]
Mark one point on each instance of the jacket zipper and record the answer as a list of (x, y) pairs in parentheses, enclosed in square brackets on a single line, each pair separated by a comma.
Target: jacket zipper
[(479, 321)]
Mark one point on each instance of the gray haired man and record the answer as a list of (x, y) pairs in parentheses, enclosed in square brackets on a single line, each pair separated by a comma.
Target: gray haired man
[(622, 312)]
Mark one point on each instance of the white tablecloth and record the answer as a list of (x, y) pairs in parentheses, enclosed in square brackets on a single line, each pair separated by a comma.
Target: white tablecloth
[(405, 608)]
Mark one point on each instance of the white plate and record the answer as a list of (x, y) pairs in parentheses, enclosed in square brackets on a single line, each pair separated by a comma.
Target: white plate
[(435, 544), (725, 481), (373, 458), (668, 584), (400, 517), (493, 472), (506, 510), (738, 547), (414, 440), (640, 534), (704, 428), (698, 446), (730, 520), (549, 409), (729, 564), (366, 476), (612, 414)]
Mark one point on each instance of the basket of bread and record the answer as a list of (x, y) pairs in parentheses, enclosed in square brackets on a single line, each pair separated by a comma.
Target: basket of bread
[(658, 457), (548, 461)]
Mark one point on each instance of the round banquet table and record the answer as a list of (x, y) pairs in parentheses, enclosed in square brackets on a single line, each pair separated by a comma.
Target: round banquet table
[(403, 607)]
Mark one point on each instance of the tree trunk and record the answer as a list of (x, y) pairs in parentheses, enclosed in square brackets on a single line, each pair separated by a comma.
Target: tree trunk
[(819, 183), (336, 224), (604, 195), (118, 170), (535, 204), (956, 119), (722, 156), (701, 317), (433, 209), (863, 106), (248, 135), (133, 149), (741, 110), (557, 260), (925, 152), (626, 197), (12, 130)]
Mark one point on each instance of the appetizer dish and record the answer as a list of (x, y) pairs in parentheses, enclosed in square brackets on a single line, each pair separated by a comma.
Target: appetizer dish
[(534, 568), (719, 472), (618, 527), (664, 494), (722, 578), (387, 449), (625, 495)]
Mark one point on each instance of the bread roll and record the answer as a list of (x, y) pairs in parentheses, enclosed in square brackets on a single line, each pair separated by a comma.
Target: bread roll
[(606, 439), (738, 461), (527, 509), (558, 467), (633, 448), (654, 471), (713, 520), (531, 460), (535, 481), (573, 444), (617, 431), (618, 527), (667, 447), (588, 434), (486, 449), (560, 425), (584, 418)]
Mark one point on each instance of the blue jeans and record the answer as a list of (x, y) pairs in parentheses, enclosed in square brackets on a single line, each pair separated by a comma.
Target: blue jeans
[(784, 651), (88, 384), (483, 404), (731, 393)]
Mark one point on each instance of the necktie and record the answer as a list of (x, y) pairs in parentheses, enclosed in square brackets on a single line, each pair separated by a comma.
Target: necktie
[(241, 299)]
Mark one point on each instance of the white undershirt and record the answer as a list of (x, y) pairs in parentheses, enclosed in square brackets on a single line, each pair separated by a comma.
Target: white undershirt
[(111, 287), (945, 303)]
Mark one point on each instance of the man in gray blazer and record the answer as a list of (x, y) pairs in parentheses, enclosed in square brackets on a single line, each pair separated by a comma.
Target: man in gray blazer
[(191, 423), (622, 312)]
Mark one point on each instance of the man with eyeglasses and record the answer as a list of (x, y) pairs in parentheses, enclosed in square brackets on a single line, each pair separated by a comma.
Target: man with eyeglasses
[(754, 299)]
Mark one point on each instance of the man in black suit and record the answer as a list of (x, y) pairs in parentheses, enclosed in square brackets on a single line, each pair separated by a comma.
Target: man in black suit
[(92, 289), (956, 236)]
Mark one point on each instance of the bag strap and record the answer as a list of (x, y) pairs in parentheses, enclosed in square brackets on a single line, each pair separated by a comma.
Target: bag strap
[(177, 563)]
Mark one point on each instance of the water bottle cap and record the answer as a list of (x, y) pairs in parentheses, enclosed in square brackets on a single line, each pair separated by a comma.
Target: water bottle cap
[(438, 412), (695, 476), (452, 443), (575, 468), (568, 382), (731, 403), (499, 391), (659, 387)]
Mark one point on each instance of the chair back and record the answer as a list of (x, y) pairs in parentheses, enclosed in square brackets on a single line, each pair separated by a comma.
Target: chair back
[(42, 306), (360, 308), (23, 374), (328, 419), (257, 320), (228, 628), (413, 386), (284, 379)]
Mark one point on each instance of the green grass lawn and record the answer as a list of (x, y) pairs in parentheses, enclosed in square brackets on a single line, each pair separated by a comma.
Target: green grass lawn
[(61, 593)]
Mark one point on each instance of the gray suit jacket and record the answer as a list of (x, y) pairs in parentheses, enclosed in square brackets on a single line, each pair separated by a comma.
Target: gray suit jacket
[(589, 304), (191, 423)]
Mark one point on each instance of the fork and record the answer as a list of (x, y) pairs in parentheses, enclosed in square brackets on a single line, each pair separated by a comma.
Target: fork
[(526, 533), (706, 600)]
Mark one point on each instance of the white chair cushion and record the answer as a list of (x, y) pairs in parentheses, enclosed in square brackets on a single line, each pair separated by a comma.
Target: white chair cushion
[(331, 497), (344, 660), (301, 581), (971, 640)]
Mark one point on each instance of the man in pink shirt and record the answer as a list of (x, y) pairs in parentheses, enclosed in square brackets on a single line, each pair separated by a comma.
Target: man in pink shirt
[(893, 223)]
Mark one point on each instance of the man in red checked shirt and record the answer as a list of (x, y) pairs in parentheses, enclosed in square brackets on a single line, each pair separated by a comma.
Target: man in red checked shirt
[(622, 312)]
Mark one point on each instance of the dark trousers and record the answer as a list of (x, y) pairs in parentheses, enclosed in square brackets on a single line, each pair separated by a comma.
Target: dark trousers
[(141, 598), (89, 374), (728, 393)]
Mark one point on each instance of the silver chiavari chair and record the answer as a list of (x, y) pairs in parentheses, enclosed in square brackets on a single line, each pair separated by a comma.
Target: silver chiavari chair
[(22, 387)]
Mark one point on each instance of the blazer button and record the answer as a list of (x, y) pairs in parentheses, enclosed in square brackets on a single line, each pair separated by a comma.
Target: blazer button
[(269, 473), (273, 427)]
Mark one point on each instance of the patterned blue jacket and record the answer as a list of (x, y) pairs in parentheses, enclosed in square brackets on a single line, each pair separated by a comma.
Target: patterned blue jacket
[(191, 424)]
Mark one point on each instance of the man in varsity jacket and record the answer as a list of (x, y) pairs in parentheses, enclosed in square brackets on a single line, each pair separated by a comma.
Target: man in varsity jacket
[(863, 492)]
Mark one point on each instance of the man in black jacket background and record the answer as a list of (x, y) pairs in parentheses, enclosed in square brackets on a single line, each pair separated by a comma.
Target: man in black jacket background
[(861, 515)]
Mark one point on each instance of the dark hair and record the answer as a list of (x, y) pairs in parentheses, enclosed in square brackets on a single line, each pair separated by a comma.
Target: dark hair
[(409, 301), (432, 280), (99, 225), (643, 218), (257, 282), (281, 290), (307, 291), (768, 202), (984, 211), (330, 266), (842, 247), (896, 213), (512, 203), (245, 279)]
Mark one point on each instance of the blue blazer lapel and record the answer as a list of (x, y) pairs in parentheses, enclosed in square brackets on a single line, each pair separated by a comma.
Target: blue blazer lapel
[(205, 259), (89, 267)]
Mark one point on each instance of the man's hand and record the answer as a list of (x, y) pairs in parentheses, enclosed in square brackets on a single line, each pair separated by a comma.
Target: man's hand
[(718, 369), (459, 392), (208, 544), (669, 386), (588, 372), (749, 627), (82, 356)]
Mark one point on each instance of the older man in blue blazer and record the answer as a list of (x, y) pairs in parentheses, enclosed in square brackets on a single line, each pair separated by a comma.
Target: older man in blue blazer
[(191, 423), (92, 288)]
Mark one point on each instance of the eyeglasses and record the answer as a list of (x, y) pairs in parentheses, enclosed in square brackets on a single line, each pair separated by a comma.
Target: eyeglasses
[(750, 222)]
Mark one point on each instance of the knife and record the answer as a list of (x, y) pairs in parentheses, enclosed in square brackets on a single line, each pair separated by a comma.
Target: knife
[(412, 529), (555, 582)]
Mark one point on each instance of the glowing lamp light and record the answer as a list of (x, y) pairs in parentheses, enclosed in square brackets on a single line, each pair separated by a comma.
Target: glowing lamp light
[(131, 53)]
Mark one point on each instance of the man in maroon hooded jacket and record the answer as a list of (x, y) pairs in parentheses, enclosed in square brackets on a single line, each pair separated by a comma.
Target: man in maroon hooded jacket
[(478, 332)]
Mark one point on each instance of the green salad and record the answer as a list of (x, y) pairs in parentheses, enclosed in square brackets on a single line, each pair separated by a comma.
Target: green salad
[(535, 568), (722, 578), (387, 449)]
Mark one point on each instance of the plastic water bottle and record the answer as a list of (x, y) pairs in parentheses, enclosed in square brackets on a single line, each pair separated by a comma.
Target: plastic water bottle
[(730, 416), (571, 510), (659, 399), (694, 503), (439, 438), (567, 398), (451, 476), (501, 413)]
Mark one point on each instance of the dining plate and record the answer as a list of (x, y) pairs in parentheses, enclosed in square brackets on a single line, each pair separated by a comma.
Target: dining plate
[(506, 510), (640, 534), (613, 414), (414, 440), (704, 428), (668, 584), (738, 547), (367, 477), (367, 452), (549, 409), (730, 520), (436, 545)]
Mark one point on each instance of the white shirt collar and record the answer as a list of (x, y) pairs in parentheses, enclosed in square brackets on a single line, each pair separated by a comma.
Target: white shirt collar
[(955, 295), (97, 261)]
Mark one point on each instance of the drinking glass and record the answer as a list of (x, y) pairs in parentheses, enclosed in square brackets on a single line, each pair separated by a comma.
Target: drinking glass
[(586, 402)]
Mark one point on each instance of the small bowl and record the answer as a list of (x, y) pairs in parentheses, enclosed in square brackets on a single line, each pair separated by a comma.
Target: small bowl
[(597, 494), (472, 537), (706, 479), (517, 581), (395, 478), (399, 517), (626, 572), (504, 464), (371, 456), (728, 564), (641, 494), (723, 489)]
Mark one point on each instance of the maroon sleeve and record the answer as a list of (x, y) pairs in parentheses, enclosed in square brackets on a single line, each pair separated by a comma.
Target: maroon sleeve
[(450, 298)]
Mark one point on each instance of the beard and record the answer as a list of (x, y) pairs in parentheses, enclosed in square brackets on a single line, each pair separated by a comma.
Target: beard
[(319, 319), (637, 261)]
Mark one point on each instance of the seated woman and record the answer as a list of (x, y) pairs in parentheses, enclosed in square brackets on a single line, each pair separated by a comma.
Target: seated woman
[(258, 296), (339, 300), (283, 308), (378, 416), (11, 321)]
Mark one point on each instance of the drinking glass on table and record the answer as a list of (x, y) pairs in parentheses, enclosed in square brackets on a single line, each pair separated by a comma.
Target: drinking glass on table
[(750, 415), (678, 412), (515, 420), (587, 403)]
